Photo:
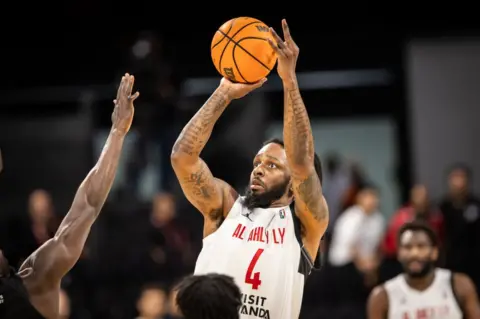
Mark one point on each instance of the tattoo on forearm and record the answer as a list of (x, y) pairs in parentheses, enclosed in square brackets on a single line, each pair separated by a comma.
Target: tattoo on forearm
[(310, 193), (297, 130), (202, 186), (197, 132), (300, 151), (200, 183)]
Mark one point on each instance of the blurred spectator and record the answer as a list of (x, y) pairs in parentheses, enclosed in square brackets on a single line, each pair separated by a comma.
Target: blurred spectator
[(357, 182), (357, 232), (461, 211), (354, 253), (28, 232), (152, 302), (169, 248), (156, 112), (419, 207), (336, 183)]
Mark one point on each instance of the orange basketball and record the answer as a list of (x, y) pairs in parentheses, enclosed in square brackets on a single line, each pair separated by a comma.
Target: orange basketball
[(240, 50)]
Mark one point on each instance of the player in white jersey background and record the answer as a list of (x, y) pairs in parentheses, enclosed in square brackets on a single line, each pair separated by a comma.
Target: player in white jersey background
[(268, 239), (423, 291)]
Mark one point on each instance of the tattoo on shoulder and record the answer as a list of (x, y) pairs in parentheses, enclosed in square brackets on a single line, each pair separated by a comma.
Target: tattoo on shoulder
[(310, 193)]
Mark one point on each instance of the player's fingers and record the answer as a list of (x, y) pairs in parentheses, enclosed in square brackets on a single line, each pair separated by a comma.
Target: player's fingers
[(120, 87), (131, 80), (286, 32), (134, 97), (279, 40), (275, 48)]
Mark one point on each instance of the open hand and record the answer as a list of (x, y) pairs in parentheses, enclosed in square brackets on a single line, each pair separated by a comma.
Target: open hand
[(287, 53), (122, 115), (238, 90)]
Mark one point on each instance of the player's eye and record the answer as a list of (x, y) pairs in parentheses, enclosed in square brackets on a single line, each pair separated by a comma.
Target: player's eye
[(271, 165), (255, 164)]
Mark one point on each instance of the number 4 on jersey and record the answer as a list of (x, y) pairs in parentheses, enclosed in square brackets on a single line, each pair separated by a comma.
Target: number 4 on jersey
[(250, 277)]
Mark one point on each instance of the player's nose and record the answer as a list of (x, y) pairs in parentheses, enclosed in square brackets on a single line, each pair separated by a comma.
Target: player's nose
[(258, 171)]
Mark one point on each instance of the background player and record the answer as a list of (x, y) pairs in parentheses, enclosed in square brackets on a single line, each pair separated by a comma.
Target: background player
[(211, 296), (255, 238), (423, 291), (34, 291)]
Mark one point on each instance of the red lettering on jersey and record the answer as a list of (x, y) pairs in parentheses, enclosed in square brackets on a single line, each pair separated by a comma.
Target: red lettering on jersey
[(282, 234), (251, 236), (422, 314), (262, 232), (238, 233), (278, 235), (427, 313), (256, 234), (275, 237), (266, 236), (259, 234)]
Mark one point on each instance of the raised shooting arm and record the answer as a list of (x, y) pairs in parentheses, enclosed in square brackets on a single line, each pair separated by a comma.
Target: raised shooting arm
[(49, 263), (211, 196), (310, 205)]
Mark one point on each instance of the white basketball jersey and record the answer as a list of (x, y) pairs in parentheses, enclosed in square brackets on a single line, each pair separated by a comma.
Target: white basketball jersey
[(437, 302), (260, 249)]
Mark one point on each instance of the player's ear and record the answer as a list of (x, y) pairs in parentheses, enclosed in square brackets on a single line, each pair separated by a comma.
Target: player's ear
[(290, 189)]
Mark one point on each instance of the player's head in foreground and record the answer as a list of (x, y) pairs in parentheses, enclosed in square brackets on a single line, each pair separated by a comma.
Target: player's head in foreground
[(417, 249), (270, 179), (211, 296)]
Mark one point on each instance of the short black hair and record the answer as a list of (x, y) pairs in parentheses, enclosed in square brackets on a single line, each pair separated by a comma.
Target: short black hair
[(211, 296), (316, 160), (418, 226)]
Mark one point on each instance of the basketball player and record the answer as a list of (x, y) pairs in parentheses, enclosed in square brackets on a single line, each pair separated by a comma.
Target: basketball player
[(423, 291), (34, 291), (210, 296), (268, 239)]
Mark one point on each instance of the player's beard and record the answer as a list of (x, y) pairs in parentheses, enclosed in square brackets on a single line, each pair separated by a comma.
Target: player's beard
[(264, 199), (426, 269)]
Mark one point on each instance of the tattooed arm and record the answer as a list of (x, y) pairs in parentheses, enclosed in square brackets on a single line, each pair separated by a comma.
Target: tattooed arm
[(49, 263), (211, 196), (310, 205)]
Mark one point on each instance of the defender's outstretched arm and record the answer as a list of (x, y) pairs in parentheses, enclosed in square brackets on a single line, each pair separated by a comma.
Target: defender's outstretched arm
[(56, 257)]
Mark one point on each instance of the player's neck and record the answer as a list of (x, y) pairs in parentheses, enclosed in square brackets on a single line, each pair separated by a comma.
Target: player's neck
[(281, 202), (421, 283)]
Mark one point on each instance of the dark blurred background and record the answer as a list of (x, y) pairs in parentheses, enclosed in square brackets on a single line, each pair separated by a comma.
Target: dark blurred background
[(391, 105)]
